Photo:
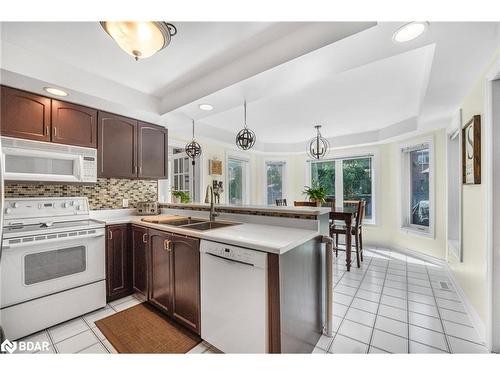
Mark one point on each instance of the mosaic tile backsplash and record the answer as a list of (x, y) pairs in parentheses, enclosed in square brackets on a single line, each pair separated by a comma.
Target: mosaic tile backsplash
[(106, 193)]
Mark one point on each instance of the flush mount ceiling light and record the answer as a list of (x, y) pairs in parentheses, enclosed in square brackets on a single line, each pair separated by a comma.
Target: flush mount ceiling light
[(410, 31), (206, 107), (318, 146), (245, 139), (140, 39), (54, 91)]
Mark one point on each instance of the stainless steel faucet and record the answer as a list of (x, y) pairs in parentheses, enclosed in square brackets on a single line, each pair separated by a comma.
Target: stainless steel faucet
[(210, 197)]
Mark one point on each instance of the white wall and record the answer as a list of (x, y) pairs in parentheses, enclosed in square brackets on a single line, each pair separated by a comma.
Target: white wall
[(472, 272)]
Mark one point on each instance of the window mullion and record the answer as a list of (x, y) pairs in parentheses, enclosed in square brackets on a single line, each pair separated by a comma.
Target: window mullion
[(339, 183)]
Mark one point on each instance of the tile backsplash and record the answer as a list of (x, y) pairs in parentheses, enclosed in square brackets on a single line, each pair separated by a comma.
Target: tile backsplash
[(106, 193)]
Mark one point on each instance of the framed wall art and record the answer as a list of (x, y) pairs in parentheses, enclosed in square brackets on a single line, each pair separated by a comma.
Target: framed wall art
[(215, 167), (471, 151)]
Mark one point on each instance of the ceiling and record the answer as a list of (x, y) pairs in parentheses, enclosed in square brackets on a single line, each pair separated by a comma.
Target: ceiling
[(347, 76)]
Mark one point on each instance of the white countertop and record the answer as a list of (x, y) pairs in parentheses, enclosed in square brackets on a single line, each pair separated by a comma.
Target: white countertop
[(269, 238)]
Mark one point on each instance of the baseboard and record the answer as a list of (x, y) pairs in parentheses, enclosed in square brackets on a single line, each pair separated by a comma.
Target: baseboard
[(478, 324)]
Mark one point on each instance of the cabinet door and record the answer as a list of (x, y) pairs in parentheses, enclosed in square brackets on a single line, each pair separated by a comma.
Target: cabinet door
[(152, 151), (186, 281), (24, 115), (140, 242), (74, 124), (116, 146), (117, 262), (160, 292)]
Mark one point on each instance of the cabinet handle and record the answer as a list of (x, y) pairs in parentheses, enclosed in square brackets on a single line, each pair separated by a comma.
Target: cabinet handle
[(46, 130), (55, 131), (166, 245), (135, 169), (110, 235), (145, 238), (140, 169)]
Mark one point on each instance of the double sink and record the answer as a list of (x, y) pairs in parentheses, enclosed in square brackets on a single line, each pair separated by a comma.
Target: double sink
[(191, 223)]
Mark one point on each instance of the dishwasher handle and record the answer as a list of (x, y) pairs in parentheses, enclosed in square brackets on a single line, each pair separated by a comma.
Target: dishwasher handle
[(231, 260)]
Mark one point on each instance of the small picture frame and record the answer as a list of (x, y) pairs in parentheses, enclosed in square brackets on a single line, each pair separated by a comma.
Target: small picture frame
[(215, 167), (471, 151)]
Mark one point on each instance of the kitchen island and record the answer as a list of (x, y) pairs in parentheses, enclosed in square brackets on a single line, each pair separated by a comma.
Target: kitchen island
[(291, 239)]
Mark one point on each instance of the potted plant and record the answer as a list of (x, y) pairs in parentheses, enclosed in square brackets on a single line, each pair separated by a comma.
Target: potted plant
[(180, 196), (315, 193)]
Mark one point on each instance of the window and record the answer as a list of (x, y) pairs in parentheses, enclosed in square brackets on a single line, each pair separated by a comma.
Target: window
[(237, 180), (181, 172), (324, 173), (357, 182), (275, 171), (416, 171), (419, 185)]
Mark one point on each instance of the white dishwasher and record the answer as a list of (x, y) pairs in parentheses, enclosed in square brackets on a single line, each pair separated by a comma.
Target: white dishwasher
[(234, 298)]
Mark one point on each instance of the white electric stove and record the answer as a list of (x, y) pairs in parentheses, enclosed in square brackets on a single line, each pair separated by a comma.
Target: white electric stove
[(52, 266)]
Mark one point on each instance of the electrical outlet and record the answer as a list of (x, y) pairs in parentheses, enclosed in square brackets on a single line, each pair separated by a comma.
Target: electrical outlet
[(124, 203)]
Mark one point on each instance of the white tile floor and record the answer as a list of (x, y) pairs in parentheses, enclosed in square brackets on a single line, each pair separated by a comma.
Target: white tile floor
[(397, 304), (393, 304)]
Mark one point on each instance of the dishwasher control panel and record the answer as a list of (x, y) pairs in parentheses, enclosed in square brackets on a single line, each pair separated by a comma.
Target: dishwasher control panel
[(230, 252)]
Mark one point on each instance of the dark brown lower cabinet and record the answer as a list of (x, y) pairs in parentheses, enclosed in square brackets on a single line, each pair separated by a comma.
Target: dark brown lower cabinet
[(186, 281), (160, 290), (118, 262), (140, 257), (175, 277)]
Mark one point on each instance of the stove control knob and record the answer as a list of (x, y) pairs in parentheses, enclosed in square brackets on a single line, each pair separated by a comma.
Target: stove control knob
[(15, 205), (73, 203), (65, 205), (8, 210)]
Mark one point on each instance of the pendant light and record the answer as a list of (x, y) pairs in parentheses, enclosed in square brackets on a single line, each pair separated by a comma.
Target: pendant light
[(140, 39), (318, 146), (245, 139), (193, 148), (193, 151)]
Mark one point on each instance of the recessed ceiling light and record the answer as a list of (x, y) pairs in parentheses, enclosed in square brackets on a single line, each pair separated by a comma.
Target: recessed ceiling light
[(54, 91), (206, 107), (410, 31)]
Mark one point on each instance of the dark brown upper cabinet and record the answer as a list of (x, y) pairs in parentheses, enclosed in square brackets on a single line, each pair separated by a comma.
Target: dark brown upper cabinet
[(127, 148), (140, 247), (152, 151), (74, 124), (186, 281), (118, 262), (25, 115), (117, 146)]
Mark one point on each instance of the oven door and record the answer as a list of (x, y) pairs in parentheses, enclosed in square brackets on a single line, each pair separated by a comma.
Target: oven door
[(33, 270), (36, 165)]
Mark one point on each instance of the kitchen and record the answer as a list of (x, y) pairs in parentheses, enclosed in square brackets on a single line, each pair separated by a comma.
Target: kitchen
[(155, 203)]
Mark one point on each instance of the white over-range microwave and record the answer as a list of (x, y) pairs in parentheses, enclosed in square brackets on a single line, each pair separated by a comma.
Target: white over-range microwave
[(25, 160)]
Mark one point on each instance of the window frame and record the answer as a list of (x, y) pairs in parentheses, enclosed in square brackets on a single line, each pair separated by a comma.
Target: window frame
[(283, 180), (404, 176), (245, 176), (338, 158)]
